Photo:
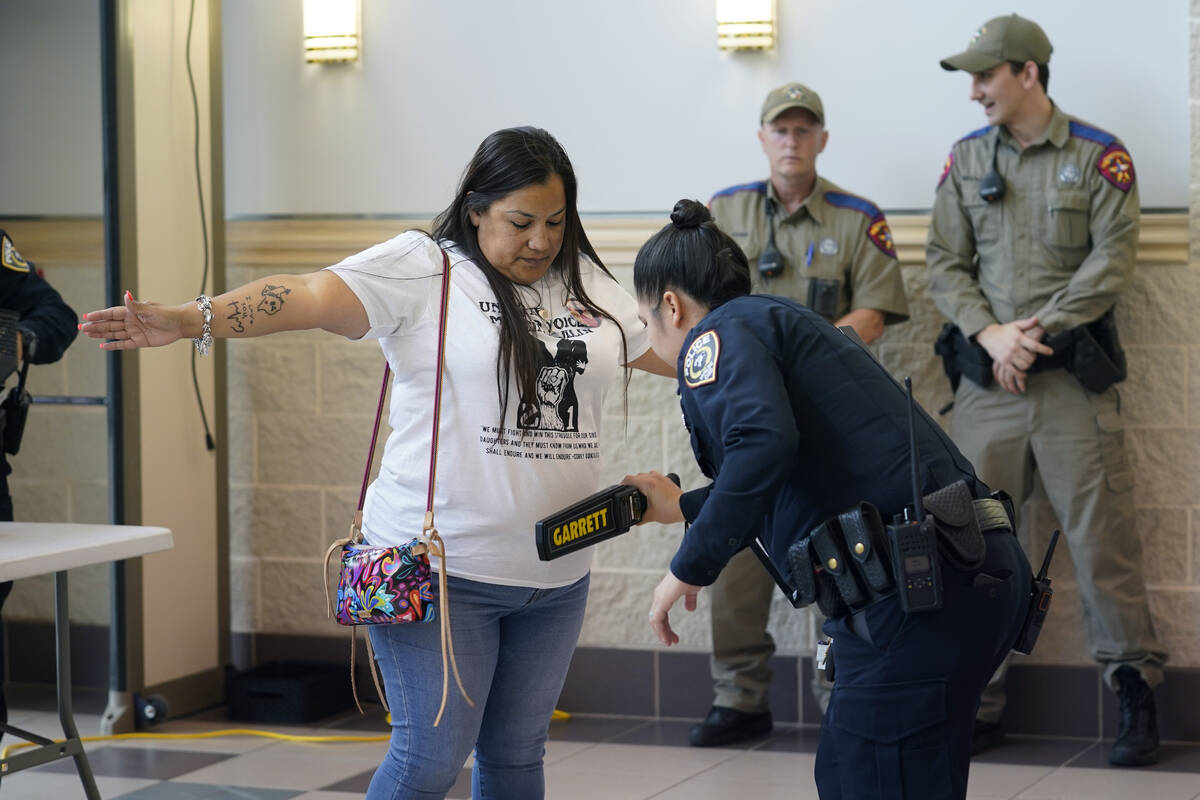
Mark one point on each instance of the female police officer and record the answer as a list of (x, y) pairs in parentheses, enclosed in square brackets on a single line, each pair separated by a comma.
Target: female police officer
[(795, 423)]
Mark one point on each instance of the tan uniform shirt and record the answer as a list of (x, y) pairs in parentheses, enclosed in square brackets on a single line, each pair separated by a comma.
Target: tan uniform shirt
[(1060, 244), (833, 236)]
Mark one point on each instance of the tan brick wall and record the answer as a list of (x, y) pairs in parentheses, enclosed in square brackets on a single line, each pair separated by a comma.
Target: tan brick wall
[(297, 442), (301, 405), (1161, 400)]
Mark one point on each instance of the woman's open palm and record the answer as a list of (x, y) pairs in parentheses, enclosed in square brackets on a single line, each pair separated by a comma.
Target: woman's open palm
[(134, 325)]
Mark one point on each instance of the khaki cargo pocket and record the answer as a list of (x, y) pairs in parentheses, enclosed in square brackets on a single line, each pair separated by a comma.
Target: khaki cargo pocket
[(1066, 219), (890, 739), (1117, 473), (985, 216)]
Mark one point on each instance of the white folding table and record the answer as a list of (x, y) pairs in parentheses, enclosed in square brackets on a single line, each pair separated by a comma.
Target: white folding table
[(39, 548)]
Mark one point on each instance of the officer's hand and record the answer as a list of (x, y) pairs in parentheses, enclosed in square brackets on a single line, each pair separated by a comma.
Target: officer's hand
[(662, 497), (1014, 344), (1012, 380), (668, 591), (136, 324)]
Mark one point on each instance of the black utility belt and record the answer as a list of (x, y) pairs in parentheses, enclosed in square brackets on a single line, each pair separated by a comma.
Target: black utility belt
[(853, 560), (1092, 353)]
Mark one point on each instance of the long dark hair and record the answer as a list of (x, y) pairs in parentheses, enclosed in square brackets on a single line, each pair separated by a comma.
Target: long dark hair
[(694, 255), (507, 161)]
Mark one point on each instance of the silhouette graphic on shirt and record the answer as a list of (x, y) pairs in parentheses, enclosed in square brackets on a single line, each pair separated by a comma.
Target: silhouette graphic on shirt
[(556, 407)]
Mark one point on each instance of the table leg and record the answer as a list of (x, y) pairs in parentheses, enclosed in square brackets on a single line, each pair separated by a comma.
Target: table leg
[(62, 627)]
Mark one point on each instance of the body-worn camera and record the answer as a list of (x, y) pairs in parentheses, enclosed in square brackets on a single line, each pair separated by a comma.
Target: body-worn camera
[(605, 514)]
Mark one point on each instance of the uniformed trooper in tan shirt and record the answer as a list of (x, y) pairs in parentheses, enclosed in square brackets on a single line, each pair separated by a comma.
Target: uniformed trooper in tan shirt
[(832, 251), (1053, 253)]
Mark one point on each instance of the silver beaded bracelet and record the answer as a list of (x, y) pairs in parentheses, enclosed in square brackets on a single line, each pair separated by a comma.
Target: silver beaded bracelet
[(204, 343)]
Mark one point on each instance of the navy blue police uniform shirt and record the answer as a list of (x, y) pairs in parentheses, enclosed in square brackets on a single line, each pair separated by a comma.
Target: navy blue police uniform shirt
[(794, 422), (46, 321)]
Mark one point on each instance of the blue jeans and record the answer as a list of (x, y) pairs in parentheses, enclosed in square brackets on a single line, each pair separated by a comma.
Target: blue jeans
[(513, 646)]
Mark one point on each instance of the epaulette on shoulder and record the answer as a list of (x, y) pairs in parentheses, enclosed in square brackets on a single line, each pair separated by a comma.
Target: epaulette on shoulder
[(843, 200), (1082, 131), (975, 134), (756, 186)]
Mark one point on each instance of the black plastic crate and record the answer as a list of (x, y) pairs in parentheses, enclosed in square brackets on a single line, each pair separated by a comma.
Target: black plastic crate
[(289, 691)]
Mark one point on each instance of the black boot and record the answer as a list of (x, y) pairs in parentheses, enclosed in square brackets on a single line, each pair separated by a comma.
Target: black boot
[(725, 726), (1137, 735)]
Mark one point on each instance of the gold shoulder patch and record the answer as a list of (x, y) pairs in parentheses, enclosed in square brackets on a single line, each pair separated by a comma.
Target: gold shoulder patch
[(1116, 167), (10, 257), (700, 363)]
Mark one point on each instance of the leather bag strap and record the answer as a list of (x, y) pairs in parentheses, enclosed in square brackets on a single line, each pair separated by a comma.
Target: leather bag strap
[(431, 540)]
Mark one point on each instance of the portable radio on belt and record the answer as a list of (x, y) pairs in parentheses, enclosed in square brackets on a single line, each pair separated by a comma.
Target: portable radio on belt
[(608, 513), (1039, 604), (913, 541)]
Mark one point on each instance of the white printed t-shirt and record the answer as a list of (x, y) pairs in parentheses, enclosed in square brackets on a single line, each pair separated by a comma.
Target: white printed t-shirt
[(491, 485)]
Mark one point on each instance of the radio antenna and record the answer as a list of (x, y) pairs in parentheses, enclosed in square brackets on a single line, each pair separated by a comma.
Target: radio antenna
[(912, 448)]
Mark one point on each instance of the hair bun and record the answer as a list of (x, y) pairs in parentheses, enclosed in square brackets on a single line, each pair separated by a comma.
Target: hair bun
[(690, 214)]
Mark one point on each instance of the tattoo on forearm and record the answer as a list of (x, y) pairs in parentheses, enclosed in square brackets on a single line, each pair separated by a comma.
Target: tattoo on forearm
[(272, 299), (241, 314)]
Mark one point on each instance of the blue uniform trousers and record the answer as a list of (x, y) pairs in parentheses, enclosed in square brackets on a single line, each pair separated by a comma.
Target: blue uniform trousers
[(907, 687)]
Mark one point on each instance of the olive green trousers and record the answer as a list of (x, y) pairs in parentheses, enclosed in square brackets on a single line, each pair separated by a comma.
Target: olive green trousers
[(1075, 441), (741, 607)]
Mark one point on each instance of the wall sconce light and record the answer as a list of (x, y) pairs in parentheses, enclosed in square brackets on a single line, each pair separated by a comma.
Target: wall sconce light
[(746, 24), (332, 30)]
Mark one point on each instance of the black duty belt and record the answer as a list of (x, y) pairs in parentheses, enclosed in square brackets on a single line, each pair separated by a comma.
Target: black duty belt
[(845, 563), (1091, 352)]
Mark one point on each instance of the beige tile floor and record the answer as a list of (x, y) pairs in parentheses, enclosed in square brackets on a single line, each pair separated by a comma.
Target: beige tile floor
[(586, 759)]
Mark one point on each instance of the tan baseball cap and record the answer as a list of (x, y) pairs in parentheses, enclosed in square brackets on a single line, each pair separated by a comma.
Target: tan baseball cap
[(792, 95), (1010, 38)]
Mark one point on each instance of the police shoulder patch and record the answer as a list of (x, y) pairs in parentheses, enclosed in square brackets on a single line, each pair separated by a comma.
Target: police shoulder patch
[(877, 227), (700, 363), (946, 168), (1116, 166), (881, 235), (9, 256)]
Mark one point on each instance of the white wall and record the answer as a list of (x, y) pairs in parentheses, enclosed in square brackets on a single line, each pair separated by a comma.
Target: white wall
[(646, 106), (50, 138), (635, 90)]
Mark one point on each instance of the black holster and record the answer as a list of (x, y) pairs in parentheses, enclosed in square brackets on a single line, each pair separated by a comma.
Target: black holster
[(13, 413), (1098, 360), (823, 296), (960, 357)]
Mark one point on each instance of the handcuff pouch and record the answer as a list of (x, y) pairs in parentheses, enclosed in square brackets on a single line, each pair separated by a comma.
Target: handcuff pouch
[(953, 510)]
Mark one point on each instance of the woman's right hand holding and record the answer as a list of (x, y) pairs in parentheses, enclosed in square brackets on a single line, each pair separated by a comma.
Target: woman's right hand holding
[(136, 324)]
